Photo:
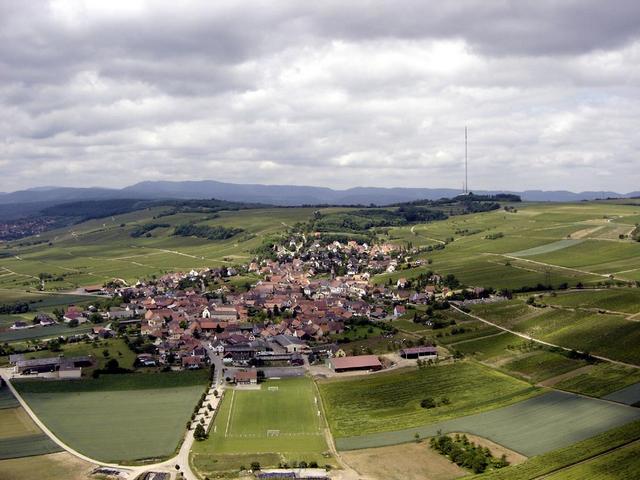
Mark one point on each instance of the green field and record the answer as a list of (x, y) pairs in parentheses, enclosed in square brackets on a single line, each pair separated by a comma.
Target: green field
[(391, 400), (531, 427), (280, 422), (546, 463), (605, 334), (625, 300), (19, 435), (118, 417), (623, 463), (542, 364), (97, 251), (115, 347), (601, 380)]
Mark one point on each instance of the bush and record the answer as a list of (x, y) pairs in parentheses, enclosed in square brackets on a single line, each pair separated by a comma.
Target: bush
[(428, 402)]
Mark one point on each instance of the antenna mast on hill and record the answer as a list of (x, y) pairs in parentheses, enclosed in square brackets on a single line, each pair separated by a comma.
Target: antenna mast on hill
[(466, 178)]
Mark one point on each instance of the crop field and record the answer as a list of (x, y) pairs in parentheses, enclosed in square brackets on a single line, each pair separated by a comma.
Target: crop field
[(537, 231), (282, 421), (623, 463), (99, 250), (601, 380), (608, 335), (19, 435), (541, 365), (488, 348), (532, 427), (389, 401), (625, 300), (146, 413), (564, 457), (629, 395)]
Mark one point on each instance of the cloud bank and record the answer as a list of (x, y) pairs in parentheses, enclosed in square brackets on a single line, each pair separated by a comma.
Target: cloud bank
[(328, 93)]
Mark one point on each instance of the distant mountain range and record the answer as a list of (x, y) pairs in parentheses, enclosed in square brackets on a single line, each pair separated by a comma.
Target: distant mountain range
[(284, 195)]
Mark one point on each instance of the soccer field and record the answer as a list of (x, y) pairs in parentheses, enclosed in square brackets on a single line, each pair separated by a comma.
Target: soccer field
[(280, 422)]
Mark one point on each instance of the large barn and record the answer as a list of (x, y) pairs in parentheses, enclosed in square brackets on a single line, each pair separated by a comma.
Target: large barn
[(358, 362)]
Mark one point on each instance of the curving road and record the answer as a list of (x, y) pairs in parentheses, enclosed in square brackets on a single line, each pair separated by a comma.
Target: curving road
[(181, 459)]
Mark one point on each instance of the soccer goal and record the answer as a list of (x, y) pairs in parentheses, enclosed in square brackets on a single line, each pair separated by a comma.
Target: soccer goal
[(273, 433), (273, 389)]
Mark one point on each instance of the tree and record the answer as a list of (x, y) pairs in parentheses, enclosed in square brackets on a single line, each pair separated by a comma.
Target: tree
[(255, 466), (199, 433), (112, 366)]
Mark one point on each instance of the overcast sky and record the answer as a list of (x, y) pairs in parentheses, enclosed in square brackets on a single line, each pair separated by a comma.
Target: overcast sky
[(333, 93)]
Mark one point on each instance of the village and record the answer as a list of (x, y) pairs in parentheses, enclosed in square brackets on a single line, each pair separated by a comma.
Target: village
[(293, 316)]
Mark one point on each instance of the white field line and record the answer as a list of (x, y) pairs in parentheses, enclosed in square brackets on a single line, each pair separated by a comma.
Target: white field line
[(542, 342), (233, 396)]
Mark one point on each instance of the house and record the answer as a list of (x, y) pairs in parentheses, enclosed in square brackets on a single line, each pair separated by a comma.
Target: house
[(192, 362), (355, 363), (45, 320), (246, 377), (19, 325), (419, 352), (290, 343), (399, 310)]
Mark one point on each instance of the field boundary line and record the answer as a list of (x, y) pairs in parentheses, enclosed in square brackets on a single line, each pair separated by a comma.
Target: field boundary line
[(469, 340), (233, 397), (542, 342)]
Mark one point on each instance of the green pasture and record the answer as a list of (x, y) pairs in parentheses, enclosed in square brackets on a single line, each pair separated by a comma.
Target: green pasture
[(119, 417), (280, 422), (391, 400), (532, 427)]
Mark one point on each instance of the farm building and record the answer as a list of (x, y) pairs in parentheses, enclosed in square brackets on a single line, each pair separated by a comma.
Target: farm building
[(419, 352), (290, 343), (246, 377), (64, 367), (358, 362)]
